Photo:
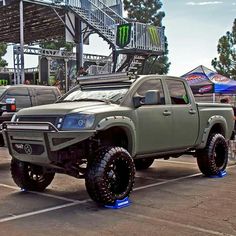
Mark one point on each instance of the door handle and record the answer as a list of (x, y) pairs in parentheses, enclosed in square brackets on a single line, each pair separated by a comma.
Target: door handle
[(192, 111), (167, 113)]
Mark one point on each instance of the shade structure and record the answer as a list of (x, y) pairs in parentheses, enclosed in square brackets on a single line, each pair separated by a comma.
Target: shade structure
[(203, 80)]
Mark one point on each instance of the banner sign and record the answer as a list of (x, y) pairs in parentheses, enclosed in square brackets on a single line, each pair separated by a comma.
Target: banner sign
[(123, 35), (154, 36)]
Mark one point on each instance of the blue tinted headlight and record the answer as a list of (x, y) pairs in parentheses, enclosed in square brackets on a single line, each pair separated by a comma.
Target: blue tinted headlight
[(78, 121)]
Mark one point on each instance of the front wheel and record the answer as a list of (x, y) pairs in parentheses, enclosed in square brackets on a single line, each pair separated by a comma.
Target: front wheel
[(214, 157), (110, 176), (29, 176)]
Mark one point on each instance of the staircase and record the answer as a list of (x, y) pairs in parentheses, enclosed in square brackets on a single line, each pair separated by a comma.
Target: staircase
[(137, 63), (133, 38), (99, 17)]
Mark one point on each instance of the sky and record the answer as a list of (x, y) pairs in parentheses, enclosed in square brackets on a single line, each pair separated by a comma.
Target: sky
[(193, 29)]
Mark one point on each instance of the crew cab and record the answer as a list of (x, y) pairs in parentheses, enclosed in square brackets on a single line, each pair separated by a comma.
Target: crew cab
[(110, 125)]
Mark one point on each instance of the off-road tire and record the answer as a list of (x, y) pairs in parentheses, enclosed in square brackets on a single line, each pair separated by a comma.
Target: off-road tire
[(110, 176), (214, 157), (30, 177), (143, 163)]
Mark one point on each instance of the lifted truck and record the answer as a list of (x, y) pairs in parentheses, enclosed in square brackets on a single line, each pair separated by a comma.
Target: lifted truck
[(108, 125)]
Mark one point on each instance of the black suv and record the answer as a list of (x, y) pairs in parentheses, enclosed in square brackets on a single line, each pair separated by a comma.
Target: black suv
[(25, 96)]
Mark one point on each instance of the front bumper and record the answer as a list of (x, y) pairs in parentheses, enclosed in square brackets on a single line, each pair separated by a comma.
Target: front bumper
[(36, 142)]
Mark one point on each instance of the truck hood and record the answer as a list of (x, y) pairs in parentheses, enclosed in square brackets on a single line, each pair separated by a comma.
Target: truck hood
[(67, 107)]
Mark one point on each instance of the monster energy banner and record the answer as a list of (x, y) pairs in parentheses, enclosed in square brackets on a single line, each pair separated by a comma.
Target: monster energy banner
[(154, 36), (123, 35)]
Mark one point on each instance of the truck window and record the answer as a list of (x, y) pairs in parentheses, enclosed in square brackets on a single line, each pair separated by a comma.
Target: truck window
[(178, 93), (21, 95), (45, 96), (152, 84)]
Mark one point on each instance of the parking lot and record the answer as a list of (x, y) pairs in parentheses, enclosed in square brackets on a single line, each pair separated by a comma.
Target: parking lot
[(170, 198)]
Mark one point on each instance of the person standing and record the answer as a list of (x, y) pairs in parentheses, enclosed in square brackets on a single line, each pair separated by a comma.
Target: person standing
[(227, 100), (232, 141)]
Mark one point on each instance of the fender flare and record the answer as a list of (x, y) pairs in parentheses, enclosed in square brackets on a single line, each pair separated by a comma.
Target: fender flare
[(124, 122), (219, 120)]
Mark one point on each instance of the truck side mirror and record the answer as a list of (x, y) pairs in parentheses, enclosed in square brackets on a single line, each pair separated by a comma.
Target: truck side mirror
[(10, 104), (138, 101), (152, 97)]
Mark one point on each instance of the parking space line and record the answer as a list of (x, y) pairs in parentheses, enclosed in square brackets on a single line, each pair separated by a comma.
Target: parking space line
[(9, 186), (172, 180), (42, 194), (166, 182), (195, 228), (149, 178), (15, 217), (74, 202)]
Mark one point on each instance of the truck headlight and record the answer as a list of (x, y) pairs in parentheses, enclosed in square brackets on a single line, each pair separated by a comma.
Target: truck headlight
[(78, 121)]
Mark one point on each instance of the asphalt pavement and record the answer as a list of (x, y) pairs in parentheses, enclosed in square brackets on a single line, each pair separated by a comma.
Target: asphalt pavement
[(170, 198)]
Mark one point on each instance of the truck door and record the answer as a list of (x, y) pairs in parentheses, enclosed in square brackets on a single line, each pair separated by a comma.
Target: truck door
[(154, 121), (184, 115)]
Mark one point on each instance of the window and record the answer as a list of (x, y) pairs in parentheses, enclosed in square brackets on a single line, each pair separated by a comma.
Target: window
[(152, 84), (21, 95), (178, 93), (45, 96)]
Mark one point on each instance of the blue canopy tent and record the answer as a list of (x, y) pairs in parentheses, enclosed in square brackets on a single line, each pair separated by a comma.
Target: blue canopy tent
[(203, 80)]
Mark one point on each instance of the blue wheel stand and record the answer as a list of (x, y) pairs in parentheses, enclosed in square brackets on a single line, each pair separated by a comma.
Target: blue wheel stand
[(221, 174), (120, 204)]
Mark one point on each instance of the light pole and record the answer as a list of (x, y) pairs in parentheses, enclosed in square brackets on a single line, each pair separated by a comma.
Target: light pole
[(22, 43)]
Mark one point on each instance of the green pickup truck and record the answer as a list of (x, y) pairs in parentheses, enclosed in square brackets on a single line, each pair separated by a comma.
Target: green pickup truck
[(108, 126)]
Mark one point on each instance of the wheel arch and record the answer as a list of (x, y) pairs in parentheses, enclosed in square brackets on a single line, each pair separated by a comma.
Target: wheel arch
[(119, 129), (215, 124)]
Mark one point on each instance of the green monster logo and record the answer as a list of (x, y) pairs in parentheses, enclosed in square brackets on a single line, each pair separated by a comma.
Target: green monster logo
[(123, 35), (154, 36), (3, 82)]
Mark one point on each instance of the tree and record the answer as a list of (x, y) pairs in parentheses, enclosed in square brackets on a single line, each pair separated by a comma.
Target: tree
[(57, 44), (226, 63), (3, 51), (148, 11)]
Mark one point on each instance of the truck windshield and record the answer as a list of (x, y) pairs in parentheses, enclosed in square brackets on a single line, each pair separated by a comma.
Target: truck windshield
[(107, 94), (2, 90)]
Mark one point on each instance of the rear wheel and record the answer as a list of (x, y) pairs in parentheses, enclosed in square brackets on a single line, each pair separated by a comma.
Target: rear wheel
[(214, 157), (30, 177), (143, 163), (110, 176)]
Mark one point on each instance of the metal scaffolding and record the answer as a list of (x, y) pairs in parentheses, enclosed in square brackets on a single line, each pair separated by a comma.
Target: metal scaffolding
[(30, 21)]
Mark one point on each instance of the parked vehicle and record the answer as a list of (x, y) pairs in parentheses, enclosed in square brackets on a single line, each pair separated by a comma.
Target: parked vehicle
[(106, 126), (25, 96)]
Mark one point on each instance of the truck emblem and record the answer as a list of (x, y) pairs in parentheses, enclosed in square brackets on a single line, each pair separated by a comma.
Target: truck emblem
[(154, 36), (19, 146), (123, 35), (28, 149)]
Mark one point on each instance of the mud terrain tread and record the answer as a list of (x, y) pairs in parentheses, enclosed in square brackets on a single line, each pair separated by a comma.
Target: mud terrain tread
[(96, 180), (20, 175), (205, 157)]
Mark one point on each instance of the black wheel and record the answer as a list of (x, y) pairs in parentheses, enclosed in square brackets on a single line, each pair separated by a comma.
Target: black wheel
[(143, 163), (110, 176), (30, 177), (214, 157)]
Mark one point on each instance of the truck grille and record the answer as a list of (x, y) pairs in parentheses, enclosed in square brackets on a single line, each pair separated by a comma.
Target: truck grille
[(51, 119)]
